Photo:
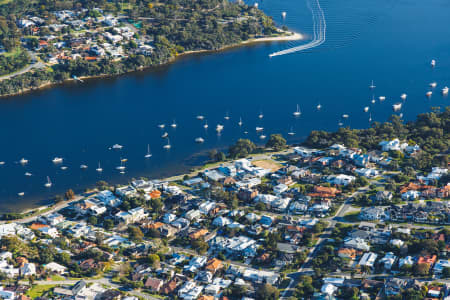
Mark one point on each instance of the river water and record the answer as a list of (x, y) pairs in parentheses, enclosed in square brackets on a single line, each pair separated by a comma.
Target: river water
[(391, 42)]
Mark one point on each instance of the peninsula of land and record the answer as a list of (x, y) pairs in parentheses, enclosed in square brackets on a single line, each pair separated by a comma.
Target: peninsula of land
[(49, 44)]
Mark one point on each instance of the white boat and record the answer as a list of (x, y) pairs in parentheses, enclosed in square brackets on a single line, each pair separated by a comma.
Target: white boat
[(28, 174), (63, 168), (57, 160), (148, 155), (245, 132), (429, 93), (372, 86), (122, 172), (117, 146), (200, 117), (240, 122), (319, 106), (433, 62), (199, 140), (401, 115), (283, 14), (23, 161), (259, 128), (366, 109), (167, 146), (340, 123), (370, 117), (2, 163), (164, 135), (99, 169), (219, 127), (297, 112), (445, 91), (124, 159), (121, 167), (83, 167), (227, 117), (433, 85), (21, 194), (373, 100), (403, 96), (262, 136), (173, 125), (291, 132), (162, 126), (260, 116), (205, 125), (382, 98), (49, 183), (255, 5), (397, 106), (345, 116)]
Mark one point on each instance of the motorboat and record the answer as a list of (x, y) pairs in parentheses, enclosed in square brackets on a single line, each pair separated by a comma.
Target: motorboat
[(433, 85), (162, 126), (260, 116), (433, 63), (83, 167), (57, 160), (403, 96), (20, 194), (259, 128), (219, 127), (200, 117), (149, 154), (199, 140), (429, 93), (173, 125), (28, 174), (23, 161), (397, 106), (382, 98), (63, 167), (167, 146), (48, 184), (227, 117), (283, 14), (205, 125), (164, 135), (345, 116), (2, 163), (117, 146), (240, 122), (99, 169), (319, 106), (262, 136), (445, 91), (366, 109), (297, 113)]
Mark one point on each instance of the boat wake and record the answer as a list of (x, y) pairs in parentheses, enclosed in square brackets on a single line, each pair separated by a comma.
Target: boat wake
[(319, 30)]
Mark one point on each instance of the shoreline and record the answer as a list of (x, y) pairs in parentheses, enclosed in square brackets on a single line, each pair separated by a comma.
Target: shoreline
[(284, 37)]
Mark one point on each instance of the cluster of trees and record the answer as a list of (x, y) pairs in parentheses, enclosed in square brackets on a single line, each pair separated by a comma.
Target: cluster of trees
[(429, 130), (13, 62)]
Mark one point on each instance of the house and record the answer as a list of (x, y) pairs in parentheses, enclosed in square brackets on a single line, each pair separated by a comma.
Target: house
[(305, 152), (126, 191), (260, 276), (366, 172), (55, 268), (371, 213), (356, 243), (440, 265), (394, 145), (190, 291), (429, 259), (410, 195), (349, 253), (154, 284), (383, 196), (388, 260), (368, 259), (280, 188), (214, 175), (246, 194), (340, 179), (28, 269), (408, 260), (213, 265), (221, 221)]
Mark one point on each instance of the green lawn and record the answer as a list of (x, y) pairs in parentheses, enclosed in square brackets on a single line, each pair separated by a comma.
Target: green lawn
[(3, 2), (57, 278), (39, 290), (352, 216)]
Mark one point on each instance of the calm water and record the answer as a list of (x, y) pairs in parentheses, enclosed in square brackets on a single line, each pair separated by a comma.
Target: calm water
[(391, 42)]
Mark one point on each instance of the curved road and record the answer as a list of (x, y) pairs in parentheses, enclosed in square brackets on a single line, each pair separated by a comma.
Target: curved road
[(35, 65)]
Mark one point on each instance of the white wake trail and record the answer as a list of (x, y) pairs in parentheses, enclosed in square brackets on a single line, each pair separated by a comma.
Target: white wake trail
[(318, 38)]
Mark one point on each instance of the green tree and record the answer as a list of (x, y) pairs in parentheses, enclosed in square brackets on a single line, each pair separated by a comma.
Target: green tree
[(135, 234), (69, 195), (267, 292), (241, 148), (154, 260), (276, 142)]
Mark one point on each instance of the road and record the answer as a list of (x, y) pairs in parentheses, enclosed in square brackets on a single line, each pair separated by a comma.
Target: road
[(36, 65)]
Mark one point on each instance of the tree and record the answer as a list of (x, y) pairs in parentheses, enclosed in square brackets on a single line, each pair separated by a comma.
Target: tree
[(69, 195), (135, 234), (108, 224), (267, 292), (92, 220), (242, 148), (421, 269), (154, 260), (156, 205), (276, 142), (305, 288), (446, 272)]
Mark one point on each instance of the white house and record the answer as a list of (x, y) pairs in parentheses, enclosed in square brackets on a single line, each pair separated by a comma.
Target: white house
[(340, 179), (368, 259), (388, 260), (410, 195), (394, 145), (55, 268)]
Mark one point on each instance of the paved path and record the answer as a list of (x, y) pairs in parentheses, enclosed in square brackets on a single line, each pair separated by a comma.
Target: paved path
[(36, 65)]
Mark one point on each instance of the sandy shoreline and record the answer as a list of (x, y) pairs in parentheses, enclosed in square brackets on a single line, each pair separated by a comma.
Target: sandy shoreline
[(287, 36)]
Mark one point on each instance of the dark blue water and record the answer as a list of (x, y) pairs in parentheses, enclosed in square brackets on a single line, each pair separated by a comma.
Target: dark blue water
[(391, 42)]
